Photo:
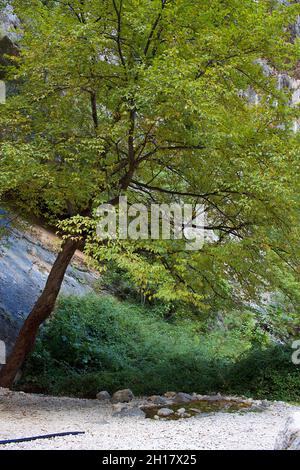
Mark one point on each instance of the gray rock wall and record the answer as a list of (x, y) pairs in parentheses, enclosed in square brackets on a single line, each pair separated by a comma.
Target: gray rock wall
[(26, 257)]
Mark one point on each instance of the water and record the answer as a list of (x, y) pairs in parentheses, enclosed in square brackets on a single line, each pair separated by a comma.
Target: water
[(200, 407)]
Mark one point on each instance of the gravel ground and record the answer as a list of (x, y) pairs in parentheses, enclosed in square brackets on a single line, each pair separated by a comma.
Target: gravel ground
[(24, 415)]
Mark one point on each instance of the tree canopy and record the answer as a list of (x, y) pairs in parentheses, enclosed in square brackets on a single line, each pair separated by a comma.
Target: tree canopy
[(151, 99)]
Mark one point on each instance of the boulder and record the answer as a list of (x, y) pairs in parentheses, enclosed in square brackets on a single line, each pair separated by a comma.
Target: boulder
[(148, 406), (104, 395), (170, 394), (165, 412), (289, 436), (122, 396), (118, 407), (181, 411), (183, 398), (158, 400), (214, 397)]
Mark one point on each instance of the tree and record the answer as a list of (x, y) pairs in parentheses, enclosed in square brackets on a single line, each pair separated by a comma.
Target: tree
[(151, 100)]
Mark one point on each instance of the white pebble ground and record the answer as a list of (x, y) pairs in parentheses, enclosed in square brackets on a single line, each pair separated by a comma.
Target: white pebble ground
[(24, 415)]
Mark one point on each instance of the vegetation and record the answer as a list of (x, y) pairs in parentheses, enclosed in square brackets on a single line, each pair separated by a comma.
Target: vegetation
[(151, 100), (98, 343)]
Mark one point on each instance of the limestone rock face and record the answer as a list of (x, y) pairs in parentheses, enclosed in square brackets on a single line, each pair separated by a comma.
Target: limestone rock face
[(8, 36), (289, 437), (9, 24), (26, 257)]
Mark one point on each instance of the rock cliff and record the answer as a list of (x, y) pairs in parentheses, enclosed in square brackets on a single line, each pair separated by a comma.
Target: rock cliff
[(27, 253)]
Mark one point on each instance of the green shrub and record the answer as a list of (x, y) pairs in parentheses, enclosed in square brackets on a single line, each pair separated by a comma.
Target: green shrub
[(266, 373), (96, 343)]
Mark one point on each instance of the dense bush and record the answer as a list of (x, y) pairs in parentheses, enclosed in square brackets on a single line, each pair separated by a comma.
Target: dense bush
[(97, 343), (266, 373)]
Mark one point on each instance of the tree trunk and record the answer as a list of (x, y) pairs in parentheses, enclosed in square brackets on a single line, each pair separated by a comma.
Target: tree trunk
[(40, 312)]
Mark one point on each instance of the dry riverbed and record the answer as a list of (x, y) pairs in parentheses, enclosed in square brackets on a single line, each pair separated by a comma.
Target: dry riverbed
[(24, 415)]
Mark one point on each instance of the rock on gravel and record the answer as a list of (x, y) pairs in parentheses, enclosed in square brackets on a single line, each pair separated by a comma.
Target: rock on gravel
[(165, 412), (122, 396), (289, 436), (183, 398), (104, 395), (117, 407), (24, 415), (158, 400)]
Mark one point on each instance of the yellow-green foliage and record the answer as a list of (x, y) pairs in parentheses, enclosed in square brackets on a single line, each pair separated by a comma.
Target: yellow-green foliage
[(147, 98)]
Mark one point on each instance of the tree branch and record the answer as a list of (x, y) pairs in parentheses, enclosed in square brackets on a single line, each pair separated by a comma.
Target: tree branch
[(119, 27), (154, 26)]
